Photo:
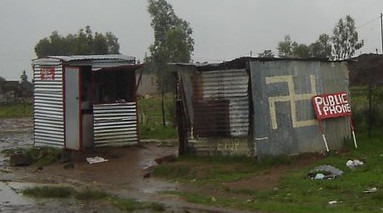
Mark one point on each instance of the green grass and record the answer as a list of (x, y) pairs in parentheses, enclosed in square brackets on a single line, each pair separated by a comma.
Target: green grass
[(156, 132), (90, 194), (295, 191), (216, 169), (49, 192), (130, 205), (38, 156), (125, 204), (150, 118), (16, 110)]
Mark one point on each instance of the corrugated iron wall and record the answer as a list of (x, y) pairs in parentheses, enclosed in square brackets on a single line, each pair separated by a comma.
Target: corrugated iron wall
[(230, 86), (283, 117), (48, 106), (218, 106), (115, 124)]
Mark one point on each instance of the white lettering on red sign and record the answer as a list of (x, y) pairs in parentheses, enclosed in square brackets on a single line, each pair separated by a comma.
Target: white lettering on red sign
[(47, 73), (331, 105)]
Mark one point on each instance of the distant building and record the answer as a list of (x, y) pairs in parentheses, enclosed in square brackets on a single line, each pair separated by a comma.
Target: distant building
[(10, 91), (366, 69), (16, 92)]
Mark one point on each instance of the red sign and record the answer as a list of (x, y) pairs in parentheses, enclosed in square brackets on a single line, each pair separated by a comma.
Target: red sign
[(47, 73), (331, 105)]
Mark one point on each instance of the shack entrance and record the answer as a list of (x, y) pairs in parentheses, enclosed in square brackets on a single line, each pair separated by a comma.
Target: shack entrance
[(85, 101)]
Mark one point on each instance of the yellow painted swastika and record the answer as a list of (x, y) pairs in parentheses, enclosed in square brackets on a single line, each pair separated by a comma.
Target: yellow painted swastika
[(292, 98)]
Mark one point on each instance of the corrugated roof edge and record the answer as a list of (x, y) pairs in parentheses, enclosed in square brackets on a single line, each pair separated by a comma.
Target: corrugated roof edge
[(240, 63), (129, 67), (89, 57)]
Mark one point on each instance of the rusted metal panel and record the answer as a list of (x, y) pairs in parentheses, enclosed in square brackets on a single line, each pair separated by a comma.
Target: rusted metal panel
[(115, 124), (48, 105), (284, 120), (217, 105), (224, 93)]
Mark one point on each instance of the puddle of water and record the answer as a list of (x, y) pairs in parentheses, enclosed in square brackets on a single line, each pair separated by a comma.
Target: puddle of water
[(12, 196), (153, 186), (15, 140)]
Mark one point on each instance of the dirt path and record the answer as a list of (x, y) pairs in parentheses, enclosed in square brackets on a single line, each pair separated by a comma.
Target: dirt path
[(122, 175)]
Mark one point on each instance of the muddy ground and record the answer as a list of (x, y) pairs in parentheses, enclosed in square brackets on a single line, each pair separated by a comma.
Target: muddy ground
[(122, 175)]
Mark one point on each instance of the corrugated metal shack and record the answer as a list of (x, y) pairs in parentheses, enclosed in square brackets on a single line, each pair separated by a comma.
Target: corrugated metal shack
[(257, 106), (85, 101)]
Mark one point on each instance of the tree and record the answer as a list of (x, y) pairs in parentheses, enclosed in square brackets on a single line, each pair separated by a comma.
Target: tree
[(172, 40), (172, 43), (23, 77), (286, 47), (266, 54), (82, 43), (322, 47), (345, 39), (301, 50), (169, 28)]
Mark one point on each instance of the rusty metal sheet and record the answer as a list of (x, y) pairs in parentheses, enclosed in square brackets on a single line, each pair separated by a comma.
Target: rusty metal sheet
[(217, 105), (223, 93), (283, 115)]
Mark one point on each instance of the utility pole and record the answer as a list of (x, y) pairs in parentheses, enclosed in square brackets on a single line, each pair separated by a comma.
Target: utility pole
[(381, 28)]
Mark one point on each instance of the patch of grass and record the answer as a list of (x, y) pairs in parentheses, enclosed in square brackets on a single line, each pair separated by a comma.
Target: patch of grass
[(49, 192), (213, 170), (39, 156), (130, 205), (150, 118), (16, 110), (270, 161), (173, 171), (156, 132), (127, 205), (90, 194), (295, 191), (44, 156), (157, 207)]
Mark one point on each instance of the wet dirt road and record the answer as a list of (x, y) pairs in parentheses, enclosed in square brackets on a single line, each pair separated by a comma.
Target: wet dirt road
[(122, 175)]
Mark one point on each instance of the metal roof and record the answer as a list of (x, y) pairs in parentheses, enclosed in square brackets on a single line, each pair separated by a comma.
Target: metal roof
[(84, 58), (96, 61), (240, 63), (93, 57)]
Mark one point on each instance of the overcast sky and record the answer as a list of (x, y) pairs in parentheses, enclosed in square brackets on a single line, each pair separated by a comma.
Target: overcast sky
[(222, 29)]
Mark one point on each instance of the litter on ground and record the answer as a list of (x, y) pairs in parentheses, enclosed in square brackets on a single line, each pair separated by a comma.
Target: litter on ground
[(354, 163), (371, 190), (97, 159), (333, 202), (324, 172)]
